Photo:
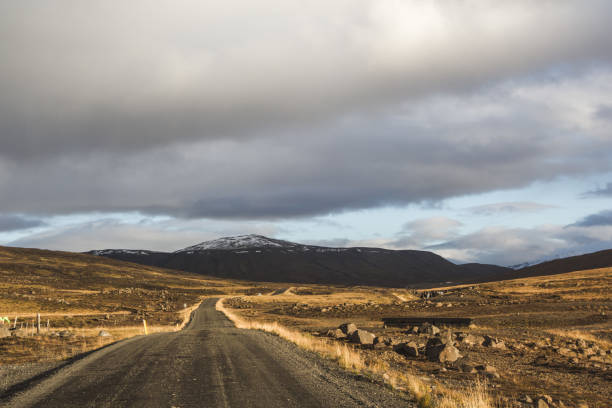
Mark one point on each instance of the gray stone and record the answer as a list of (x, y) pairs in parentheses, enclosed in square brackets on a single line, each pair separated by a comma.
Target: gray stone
[(449, 354), (472, 340), (104, 333), (382, 341), (336, 333), (436, 350), (410, 349), (348, 328), (362, 337), (493, 343), (429, 328)]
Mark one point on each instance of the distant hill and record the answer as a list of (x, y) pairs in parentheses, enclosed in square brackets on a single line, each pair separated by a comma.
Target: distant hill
[(258, 258), (595, 260)]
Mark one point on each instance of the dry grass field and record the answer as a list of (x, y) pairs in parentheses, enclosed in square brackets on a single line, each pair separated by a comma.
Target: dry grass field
[(78, 295), (555, 330)]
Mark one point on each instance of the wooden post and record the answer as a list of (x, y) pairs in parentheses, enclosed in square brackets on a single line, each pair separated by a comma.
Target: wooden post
[(15, 324), (37, 323), (47, 325), (144, 323)]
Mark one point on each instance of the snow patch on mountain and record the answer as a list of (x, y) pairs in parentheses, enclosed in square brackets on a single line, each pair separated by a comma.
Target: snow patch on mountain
[(240, 242), (102, 252)]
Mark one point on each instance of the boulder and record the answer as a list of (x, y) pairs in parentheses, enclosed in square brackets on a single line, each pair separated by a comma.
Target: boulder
[(336, 334), (472, 340), (348, 328), (488, 371), (362, 337), (436, 350), (104, 333), (382, 341), (429, 328), (449, 354), (410, 349), (493, 343), (65, 333)]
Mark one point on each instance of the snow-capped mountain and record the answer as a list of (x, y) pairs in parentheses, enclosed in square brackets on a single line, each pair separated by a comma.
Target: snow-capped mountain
[(240, 242), (263, 259)]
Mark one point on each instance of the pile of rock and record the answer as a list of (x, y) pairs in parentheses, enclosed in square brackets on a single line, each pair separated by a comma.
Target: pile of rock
[(355, 335)]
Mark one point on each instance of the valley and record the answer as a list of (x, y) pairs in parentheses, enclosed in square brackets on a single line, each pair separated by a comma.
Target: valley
[(532, 340)]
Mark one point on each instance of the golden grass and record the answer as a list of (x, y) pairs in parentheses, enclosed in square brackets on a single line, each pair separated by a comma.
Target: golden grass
[(474, 397), (353, 360), (578, 285), (581, 335)]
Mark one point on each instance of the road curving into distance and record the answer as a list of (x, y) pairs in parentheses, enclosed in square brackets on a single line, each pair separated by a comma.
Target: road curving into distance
[(210, 363)]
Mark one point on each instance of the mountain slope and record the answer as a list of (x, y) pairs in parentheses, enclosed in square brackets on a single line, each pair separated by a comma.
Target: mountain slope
[(258, 258), (595, 260)]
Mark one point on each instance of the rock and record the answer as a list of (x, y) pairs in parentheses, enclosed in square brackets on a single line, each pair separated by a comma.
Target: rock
[(336, 334), (436, 350), (467, 368), (429, 328), (488, 371), (382, 341), (409, 349), (348, 328), (439, 304), (413, 330), (493, 343), (65, 333), (472, 340), (526, 399), (449, 354), (362, 337), (104, 333)]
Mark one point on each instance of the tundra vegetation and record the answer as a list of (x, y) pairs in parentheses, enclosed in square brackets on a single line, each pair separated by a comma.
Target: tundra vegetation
[(533, 341)]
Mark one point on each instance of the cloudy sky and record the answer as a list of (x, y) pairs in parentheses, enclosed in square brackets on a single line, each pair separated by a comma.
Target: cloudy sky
[(480, 130)]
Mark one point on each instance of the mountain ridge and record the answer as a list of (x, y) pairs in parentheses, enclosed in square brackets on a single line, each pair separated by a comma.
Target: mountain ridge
[(259, 258)]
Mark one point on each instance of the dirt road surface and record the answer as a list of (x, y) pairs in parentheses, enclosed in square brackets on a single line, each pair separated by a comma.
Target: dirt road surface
[(208, 364)]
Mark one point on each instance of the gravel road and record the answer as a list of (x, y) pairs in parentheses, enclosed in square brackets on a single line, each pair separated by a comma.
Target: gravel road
[(208, 364)]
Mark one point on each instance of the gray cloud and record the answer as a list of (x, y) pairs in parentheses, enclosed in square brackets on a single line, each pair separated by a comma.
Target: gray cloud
[(228, 111), (601, 218), (604, 191), (419, 233), (87, 76), (15, 223), (429, 151), (604, 112), (512, 246), (508, 207)]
